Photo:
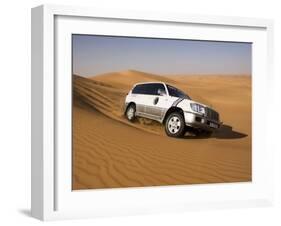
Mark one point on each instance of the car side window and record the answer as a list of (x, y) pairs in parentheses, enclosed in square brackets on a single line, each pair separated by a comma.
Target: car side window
[(160, 90), (150, 89), (139, 89), (155, 89), (174, 92)]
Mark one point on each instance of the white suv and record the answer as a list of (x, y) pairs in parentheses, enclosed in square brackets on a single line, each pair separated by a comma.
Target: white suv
[(170, 106)]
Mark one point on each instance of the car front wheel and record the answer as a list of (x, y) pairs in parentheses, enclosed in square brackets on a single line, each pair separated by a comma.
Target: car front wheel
[(131, 112), (175, 125)]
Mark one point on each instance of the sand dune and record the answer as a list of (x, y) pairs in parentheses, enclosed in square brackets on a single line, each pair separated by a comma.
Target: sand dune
[(127, 78), (109, 101), (109, 151)]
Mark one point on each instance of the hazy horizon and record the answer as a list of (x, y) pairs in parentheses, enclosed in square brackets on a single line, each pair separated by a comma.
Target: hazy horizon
[(95, 55)]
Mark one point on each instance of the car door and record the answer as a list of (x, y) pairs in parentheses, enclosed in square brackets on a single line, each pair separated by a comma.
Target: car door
[(139, 95), (156, 101)]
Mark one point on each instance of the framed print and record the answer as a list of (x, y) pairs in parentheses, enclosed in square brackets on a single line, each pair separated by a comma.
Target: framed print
[(137, 112)]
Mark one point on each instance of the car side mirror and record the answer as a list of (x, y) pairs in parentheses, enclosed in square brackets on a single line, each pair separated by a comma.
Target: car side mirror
[(161, 92)]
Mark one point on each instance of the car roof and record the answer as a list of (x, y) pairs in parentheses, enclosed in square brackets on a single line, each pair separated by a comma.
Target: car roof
[(143, 83)]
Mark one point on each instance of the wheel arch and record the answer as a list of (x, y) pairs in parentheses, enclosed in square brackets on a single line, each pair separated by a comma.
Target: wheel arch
[(171, 110), (129, 104)]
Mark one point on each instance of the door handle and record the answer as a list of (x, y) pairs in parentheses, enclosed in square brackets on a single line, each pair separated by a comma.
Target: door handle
[(155, 101)]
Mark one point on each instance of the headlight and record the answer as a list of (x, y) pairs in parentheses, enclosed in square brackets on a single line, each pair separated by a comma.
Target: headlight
[(198, 108)]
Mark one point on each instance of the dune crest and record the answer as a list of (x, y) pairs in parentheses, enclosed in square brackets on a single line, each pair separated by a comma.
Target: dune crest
[(110, 101), (126, 79)]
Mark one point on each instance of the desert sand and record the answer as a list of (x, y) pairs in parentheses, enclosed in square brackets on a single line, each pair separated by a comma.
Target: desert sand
[(110, 152)]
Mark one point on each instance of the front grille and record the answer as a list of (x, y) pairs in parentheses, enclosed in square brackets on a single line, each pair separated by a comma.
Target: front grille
[(212, 115)]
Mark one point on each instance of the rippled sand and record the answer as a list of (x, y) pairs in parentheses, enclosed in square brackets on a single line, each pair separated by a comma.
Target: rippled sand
[(111, 152)]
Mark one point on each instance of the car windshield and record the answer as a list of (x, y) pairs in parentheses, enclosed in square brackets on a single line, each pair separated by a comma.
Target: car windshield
[(174, 92)]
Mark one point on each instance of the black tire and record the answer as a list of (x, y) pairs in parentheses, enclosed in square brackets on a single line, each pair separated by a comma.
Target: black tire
[(175, 125), (131, 112)]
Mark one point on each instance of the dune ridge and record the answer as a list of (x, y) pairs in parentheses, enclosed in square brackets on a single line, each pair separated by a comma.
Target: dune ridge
[(130, 77), (109, 101)]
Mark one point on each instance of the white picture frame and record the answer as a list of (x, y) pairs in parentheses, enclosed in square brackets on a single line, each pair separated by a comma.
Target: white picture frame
[(52, 197)]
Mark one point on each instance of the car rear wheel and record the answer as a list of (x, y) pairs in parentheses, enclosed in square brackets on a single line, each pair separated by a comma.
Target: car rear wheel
[(131, 112), (175, 125)]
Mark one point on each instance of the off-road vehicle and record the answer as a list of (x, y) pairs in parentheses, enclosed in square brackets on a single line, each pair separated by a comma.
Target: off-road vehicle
[(172, 107)]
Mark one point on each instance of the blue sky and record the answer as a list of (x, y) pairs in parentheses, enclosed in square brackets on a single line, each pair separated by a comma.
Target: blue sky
[(93, 55)]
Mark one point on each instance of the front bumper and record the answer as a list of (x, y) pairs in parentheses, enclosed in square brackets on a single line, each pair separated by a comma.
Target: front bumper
[(201, 122)]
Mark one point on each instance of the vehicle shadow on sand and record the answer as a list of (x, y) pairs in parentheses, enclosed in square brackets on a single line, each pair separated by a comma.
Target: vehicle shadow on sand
[(224, 132)]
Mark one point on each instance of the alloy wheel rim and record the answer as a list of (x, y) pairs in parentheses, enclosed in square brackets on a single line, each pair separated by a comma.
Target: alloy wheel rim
[(130, 113), (174, 124)]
